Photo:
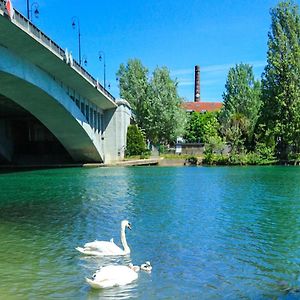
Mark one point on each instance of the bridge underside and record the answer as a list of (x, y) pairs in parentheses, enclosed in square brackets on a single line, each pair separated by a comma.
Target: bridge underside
[(25, 140), (51, 109)]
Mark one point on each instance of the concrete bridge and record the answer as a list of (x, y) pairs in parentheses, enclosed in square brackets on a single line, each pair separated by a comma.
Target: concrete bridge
[(51, 109)]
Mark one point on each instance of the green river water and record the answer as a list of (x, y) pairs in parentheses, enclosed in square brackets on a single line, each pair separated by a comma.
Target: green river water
[(209, 232)]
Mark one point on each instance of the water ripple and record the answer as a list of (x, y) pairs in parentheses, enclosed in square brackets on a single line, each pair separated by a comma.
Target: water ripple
[(210, 233)]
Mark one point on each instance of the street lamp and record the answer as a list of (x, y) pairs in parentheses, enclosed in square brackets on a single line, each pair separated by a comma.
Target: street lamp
[(85, 61), (75, 21), (101, 55), (27, 2), (34, 8)]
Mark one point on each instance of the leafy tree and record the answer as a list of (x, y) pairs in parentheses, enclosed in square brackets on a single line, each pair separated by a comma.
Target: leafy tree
[(194, 129), (136, 144), (165, 117), (133, 83), (241, 108), (155, 102), (281, 80), (201, 126)]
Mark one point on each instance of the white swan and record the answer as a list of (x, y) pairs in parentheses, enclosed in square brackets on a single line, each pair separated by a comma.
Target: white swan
[(134, 268), (102, 248), (110, 276), (146, 266)]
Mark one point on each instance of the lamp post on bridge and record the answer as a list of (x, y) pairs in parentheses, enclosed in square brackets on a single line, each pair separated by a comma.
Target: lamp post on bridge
[(101, 55), (27, 2), (75, 20), (34, 7), (85, 61)]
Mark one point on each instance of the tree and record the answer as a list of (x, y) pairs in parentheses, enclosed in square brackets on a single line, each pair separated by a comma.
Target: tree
[(155, 102), (165, 117), (136, 144), (133, 84), (241, 108), (281, 80), (201, 126)]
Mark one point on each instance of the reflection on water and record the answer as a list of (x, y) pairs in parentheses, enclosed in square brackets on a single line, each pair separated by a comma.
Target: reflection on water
[(121, 292), (210, 233)]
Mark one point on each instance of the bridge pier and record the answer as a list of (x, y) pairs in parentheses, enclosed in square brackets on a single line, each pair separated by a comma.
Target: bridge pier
[(115, 134)]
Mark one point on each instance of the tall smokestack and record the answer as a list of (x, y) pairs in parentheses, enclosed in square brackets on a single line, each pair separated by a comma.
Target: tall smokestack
[(197, 84)]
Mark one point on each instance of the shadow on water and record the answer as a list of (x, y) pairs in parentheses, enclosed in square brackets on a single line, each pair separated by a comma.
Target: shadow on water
[(18, 169)]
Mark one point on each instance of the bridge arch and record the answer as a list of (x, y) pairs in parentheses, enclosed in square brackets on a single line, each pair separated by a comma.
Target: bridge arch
[(48, 100)]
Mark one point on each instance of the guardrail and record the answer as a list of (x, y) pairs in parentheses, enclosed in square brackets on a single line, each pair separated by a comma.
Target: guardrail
[(31, 29)]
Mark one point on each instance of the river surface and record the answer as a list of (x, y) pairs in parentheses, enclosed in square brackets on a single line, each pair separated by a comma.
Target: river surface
[(209, 232)]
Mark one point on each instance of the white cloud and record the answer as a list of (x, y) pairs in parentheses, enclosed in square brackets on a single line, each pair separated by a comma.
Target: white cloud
[(185, 83), (209, 82), (216, 68), (182, 72)]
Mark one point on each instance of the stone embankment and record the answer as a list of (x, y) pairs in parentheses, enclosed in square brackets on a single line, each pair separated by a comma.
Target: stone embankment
[(159, 161)]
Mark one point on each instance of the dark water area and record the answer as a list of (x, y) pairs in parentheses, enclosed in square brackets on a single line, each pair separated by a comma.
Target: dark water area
[(210, 233)]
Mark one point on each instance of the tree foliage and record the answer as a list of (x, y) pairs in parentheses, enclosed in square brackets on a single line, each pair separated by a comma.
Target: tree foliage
[(281, 80), (155, 102), (257, 120), (261, 122), (201, 126), (165, 117), (241, 108), (136, 144), (133, 84)]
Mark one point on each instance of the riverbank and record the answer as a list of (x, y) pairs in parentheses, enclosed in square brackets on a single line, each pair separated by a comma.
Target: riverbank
[(125, 163)]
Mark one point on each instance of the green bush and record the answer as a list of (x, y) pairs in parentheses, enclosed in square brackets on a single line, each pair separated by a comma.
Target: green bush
[(215, 159), (162, 149), (243, 158), (266, 153), (136, 144), (145, 154), (192, 160), (236, 159), (294, 158)]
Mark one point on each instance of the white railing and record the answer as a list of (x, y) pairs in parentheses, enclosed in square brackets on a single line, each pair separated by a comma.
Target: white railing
[(31, 29)]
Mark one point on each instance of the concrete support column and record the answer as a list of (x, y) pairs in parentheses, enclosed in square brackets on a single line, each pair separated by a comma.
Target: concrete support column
[(116, 122)]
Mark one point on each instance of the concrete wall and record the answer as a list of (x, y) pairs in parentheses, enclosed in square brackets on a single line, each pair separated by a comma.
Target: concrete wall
[(196, 149), (115, 134)]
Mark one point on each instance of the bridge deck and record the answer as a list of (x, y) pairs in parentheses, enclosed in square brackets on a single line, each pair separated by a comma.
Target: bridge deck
[(25, 39)]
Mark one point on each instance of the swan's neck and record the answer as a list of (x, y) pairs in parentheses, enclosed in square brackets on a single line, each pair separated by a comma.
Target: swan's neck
[(123, 240)]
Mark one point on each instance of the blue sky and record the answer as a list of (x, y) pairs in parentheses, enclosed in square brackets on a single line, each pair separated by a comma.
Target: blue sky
[(177, 34)]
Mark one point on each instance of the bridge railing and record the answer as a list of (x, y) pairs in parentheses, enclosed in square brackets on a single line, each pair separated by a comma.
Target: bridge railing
[(31, 29)]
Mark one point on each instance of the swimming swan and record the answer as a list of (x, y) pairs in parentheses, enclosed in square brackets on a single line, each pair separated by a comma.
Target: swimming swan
[(102, 248), (134, 268), (110, 276), (115, 275), (145, 267)]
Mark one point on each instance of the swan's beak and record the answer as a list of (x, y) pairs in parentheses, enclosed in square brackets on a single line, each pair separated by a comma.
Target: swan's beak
[(129, 226)]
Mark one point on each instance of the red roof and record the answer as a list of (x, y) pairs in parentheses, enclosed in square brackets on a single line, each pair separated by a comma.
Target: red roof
[(202, 106)]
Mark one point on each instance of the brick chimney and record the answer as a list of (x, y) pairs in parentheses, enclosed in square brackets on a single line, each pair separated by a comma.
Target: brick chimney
[(197, 84)]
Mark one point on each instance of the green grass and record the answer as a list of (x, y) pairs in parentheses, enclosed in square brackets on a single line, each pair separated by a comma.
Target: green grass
[(181, 156)]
